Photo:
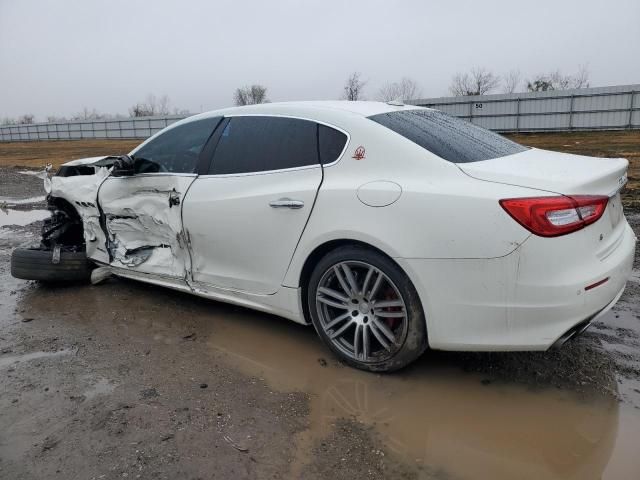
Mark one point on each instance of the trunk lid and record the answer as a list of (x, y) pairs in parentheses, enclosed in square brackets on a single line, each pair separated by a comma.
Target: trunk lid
[(555, 172)]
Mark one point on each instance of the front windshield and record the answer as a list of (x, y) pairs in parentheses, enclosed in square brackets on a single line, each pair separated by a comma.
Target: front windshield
[(176, 150)]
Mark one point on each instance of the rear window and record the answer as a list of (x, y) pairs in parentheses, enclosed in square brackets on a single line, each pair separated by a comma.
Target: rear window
[(450, 138)]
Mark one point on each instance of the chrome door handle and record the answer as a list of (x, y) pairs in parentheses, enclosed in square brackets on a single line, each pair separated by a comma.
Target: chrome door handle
[(286, 203)]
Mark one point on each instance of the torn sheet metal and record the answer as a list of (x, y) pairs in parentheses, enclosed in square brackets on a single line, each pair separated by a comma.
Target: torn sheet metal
[(81, 191), (100, 274), (143, 220), (131, 222)]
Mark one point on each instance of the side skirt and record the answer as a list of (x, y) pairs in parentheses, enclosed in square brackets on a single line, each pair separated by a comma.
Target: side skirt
[(284, 303)]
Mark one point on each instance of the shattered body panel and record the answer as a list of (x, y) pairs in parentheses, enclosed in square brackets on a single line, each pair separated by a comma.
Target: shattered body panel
[(134, 223), (81, 192), (143, 221)]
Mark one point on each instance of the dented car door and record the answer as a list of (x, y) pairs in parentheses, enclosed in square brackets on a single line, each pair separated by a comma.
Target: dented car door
[(246, 213), (143, 222), (141, 214)]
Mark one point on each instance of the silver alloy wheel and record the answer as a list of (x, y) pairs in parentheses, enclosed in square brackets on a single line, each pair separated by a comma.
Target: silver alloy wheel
[(361, 311)]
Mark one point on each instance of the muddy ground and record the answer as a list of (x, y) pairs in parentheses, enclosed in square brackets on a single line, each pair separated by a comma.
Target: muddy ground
[(126, 380)]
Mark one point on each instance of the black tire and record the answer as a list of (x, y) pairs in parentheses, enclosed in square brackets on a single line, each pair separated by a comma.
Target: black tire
[(414, 339), (37, 264)]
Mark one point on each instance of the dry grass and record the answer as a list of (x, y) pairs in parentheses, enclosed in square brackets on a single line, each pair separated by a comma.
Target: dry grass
[(625, 144), (600, 144), (38, 154)]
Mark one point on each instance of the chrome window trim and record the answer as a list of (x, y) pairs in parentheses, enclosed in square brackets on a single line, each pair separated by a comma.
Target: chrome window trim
[(269, 172), (156, 174), (265, 172)]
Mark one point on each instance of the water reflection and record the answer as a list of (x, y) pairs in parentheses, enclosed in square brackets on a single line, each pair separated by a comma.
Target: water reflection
[(432, 415)]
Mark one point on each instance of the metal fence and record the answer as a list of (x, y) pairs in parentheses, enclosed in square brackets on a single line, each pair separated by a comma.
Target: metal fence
[(141, 127), (602, 108)]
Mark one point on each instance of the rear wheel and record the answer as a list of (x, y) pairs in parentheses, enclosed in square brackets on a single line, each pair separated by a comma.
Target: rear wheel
[(39, 264), (366, 309)]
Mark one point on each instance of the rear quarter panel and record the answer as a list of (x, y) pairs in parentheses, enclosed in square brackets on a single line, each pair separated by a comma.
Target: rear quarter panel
[(441, 213)]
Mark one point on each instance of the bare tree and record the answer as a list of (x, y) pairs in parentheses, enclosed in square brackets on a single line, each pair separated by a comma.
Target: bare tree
[(250, 95), (8, 121), (163, 105), (405, 89), (581, 77), (56, 119), (144, 109), (140, 110), (26, 119), (511, 81), (558, 81), (353, 88), (479, 81), (151, 106), (87, 114), (540, 83)]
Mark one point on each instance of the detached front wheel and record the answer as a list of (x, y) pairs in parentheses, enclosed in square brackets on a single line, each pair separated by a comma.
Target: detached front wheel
[(366, 310), (45, 266)]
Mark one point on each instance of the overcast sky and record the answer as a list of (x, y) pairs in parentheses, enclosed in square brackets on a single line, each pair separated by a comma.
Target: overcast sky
[(57, 57)]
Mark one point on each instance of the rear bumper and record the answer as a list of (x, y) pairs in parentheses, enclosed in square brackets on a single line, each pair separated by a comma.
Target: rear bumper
[(578, 329), (527, 300)]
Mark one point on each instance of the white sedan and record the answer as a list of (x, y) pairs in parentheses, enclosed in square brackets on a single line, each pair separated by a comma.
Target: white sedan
[(390, 228)]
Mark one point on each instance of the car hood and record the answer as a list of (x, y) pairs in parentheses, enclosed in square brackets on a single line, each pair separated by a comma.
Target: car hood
[(83, 161), (556, 172)]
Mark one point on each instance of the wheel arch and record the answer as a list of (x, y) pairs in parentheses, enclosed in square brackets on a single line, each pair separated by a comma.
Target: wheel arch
[(65, 213), (62, 204), (320, 251)]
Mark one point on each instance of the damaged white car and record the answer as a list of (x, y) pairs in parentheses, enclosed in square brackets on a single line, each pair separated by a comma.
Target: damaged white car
[(390, 228)]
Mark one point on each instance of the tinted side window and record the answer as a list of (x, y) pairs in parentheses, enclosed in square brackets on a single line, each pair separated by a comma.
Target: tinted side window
[(451, 138), (331, 143), (258, 144), (177, 149)]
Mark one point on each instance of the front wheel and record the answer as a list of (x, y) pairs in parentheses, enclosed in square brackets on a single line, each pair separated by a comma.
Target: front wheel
[(365, 308), (39, 264)]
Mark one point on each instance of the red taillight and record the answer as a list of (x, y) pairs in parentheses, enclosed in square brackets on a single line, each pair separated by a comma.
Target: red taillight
[(554, 216)]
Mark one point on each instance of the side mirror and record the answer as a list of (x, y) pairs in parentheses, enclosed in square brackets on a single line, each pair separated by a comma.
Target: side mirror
[(123, 166)]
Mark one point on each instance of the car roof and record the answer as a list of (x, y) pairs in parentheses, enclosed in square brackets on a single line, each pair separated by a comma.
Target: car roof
[(324, 108)]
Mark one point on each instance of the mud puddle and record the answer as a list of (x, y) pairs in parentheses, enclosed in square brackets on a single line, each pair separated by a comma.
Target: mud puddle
[(6, 361), (438, 418), (12, 202), (40, 173), (101, 387), (21, 217)]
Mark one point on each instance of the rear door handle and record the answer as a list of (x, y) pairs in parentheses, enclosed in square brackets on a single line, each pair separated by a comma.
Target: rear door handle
[(286, 203)]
